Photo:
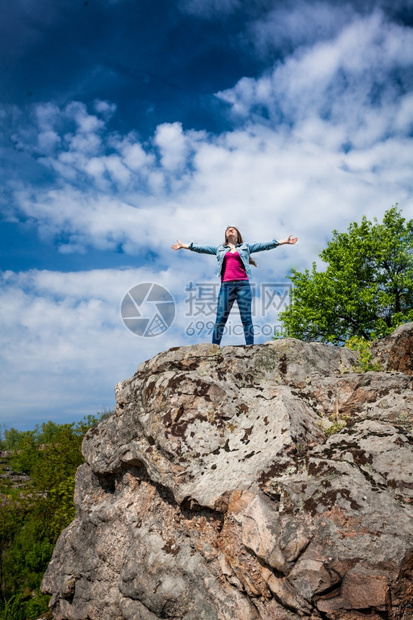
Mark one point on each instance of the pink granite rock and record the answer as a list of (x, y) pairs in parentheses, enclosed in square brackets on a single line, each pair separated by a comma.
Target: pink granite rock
[(245, 483)]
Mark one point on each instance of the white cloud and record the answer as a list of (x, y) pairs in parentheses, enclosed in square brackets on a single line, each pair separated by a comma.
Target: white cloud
[(63, 343), (356, 81), (86, 123), (291, 26), (105, 108), (172, 143), (403, 121), (48, 141), (46, 115), (133, 199), (133, 154)]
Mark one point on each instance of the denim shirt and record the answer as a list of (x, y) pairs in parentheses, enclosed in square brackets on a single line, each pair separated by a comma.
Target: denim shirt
[(244, 250)]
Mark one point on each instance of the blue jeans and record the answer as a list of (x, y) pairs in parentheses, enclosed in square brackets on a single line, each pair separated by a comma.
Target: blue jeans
[(239, 290)]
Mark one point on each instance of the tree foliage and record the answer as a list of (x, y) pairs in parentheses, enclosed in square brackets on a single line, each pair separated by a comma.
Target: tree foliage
[(31, 518), (366, 289)]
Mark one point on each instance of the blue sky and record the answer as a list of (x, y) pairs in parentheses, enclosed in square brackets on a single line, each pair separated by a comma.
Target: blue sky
[(126, 125)]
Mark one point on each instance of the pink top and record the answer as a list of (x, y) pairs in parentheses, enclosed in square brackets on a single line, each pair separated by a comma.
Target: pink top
[(233, 269)]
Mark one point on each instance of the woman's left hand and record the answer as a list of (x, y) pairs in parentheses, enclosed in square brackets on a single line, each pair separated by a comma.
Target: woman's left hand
[(290, 240)]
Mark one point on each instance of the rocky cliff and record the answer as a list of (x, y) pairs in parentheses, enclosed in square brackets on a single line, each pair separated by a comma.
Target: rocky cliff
[(268, 482)]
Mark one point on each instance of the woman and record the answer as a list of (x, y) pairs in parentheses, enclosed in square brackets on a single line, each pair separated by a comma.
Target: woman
[(233, 268)]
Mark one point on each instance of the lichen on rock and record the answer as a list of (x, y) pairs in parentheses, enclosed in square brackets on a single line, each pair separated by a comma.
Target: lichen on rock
[(214, 491)]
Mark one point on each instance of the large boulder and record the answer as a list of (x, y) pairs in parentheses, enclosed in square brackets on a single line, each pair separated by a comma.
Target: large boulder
[(395, 352), (244, 483)]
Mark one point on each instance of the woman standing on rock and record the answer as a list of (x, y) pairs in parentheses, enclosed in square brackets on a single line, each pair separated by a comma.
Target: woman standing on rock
[(233, 268)]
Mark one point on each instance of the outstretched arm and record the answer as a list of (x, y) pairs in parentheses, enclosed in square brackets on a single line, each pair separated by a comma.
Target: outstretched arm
[(179, 245), (270, 245), (288, 241), (201, 249)]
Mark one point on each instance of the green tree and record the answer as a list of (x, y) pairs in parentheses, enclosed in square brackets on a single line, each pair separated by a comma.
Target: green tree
[(12, 438), (47, 432), (366, 289), (31, 518)]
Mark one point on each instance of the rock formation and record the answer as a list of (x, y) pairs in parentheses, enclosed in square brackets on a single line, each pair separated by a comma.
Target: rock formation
[(267, 482)]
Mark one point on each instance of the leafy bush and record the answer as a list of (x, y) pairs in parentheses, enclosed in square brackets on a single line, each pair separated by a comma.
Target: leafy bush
[(363, 346), (32, 518)]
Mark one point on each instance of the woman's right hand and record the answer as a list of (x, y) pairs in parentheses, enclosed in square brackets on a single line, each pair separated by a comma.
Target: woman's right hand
[(178, 245)]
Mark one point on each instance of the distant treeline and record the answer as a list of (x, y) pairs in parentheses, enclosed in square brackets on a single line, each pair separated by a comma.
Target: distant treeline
[(34, 509), (46, 432)]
